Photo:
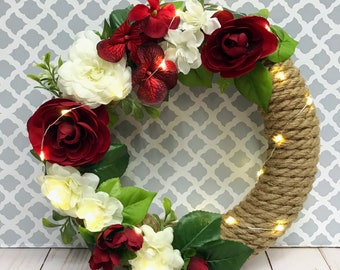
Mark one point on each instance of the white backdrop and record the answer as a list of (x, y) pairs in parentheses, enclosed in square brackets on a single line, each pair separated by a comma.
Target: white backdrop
[(203, 152)]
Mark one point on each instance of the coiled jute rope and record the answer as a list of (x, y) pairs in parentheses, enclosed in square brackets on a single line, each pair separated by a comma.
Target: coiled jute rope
[(290, 168)]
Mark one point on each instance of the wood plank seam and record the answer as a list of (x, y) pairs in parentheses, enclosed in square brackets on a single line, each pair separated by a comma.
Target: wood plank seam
[(270, 264), (43, 263), (325, 259)]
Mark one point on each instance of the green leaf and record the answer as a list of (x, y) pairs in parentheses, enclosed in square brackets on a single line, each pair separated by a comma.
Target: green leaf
[(47, 58), (225, 83), (137, 110), (136, 202), (57, 217), (113, 164), (118, 17), (286, 46), (88, 236), (256, 86), (33, 77), (197, 77), (49, 224), (178, 4), (196, 229), (126, 105), (67, 232), (152, 112), (111, 187), (107, 31), (225, 254), (113, 116), (60, 62), (167, 205), (262, 13)]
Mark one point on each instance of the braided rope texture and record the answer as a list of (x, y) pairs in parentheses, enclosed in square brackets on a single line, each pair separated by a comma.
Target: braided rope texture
[(290, 168)]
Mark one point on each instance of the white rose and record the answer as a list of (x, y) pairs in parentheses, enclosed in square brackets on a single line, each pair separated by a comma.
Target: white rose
[(90, 80), (64, 187), (157, 251), (99, 210)]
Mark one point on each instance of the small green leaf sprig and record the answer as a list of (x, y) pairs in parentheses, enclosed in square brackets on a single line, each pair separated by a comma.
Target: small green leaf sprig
[(48, 78)]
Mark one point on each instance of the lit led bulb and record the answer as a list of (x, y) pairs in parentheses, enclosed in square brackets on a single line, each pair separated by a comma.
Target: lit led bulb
[(42, 156), (260, 172), (63, 112), (278, 139), (230, 220), (162, 65), (309, 101), (279, 228), (280, 76)]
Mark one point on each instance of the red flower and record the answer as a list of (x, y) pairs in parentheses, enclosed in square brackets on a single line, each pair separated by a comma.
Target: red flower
[(110, 245), (157, 20), (155, 75), (234, 49), (126, 37), (102, 259), (78, 137), (197, 263)]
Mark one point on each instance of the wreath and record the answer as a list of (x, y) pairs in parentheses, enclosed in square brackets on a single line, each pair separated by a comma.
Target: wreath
[(130, 67)]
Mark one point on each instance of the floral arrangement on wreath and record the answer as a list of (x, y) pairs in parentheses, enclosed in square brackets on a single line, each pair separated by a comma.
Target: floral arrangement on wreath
[(141, 54)]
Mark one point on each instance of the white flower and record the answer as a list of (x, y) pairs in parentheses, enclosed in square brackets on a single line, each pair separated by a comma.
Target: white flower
[(99, 210), (157, 251), (64, 187), (182, 48), (196, 18), (88, 79)]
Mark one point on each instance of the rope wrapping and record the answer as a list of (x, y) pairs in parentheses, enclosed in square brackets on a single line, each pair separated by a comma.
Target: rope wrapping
[(290, 168)]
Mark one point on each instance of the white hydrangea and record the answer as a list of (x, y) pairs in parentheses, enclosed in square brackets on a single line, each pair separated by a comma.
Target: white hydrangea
[(157, 251), (197, 18), (99, 210), (90, 80), (182, 48), (64, 187)]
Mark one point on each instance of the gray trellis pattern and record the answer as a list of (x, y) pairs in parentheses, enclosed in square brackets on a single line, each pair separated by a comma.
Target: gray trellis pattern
[(204, 150)]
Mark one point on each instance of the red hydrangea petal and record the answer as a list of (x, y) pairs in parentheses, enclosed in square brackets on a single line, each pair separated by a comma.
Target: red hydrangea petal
[(154, 4), (175, 23), (168, 73), (109, 51), (152, 91), (156, 28), (139, 12), (167, 12)]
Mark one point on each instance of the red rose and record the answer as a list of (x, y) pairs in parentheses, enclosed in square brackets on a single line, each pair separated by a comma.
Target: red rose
[(116, 236), (234, 49), (78, 137), (112, 243), (197, 263)]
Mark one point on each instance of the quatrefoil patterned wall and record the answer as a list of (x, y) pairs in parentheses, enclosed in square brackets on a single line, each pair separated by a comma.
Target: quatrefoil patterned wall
[(205, 149)]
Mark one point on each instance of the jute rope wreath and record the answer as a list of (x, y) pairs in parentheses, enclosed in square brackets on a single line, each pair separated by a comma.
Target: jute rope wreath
[(130, 67), (290, 168)]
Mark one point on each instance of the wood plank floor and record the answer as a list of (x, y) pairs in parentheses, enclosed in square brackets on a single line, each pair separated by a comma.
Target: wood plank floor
[(77, 259)]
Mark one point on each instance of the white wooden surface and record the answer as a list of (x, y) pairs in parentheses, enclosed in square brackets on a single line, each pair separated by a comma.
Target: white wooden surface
[(77, 259)]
